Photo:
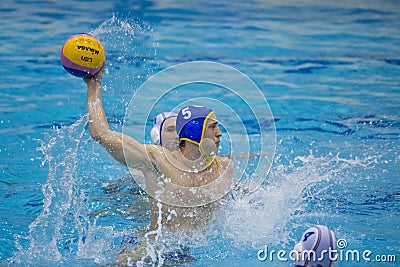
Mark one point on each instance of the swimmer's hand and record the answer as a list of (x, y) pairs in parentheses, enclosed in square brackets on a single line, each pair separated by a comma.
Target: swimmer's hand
[(97, 78)]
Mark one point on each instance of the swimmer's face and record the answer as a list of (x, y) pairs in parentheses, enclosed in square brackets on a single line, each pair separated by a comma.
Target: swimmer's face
[(169, 136), (212, 130)]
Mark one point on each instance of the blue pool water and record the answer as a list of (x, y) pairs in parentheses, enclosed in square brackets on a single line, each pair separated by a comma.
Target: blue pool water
[(330, 73)]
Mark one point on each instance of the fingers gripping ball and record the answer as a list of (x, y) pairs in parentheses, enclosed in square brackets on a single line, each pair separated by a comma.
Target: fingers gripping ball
[(82, 55)]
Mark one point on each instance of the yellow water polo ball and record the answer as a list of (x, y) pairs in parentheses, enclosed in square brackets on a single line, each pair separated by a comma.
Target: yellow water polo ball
[(82, 55)]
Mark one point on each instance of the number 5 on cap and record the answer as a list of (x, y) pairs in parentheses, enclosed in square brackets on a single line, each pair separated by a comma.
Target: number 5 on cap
[(186, 113)]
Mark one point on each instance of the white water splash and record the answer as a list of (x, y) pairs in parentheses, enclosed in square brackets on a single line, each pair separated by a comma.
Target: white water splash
[(271, 213), (58, 191)]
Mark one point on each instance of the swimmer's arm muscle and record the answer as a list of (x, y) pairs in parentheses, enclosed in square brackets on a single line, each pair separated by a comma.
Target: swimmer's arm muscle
[(123, 148)]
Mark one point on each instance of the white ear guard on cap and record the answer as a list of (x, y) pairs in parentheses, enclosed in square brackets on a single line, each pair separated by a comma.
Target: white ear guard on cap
[(155, 135)]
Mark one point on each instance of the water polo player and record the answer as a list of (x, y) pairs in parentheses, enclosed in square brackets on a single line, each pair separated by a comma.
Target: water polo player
[(196, 176)]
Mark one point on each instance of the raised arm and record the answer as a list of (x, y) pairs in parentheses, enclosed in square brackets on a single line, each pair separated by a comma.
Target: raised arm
[(115, 143)]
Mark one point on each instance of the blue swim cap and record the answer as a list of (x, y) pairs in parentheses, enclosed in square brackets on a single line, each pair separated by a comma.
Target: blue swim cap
[(157, 126), (190, 123)]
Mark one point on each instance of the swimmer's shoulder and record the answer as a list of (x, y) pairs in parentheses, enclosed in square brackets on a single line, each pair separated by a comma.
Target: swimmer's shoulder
[(159, 154)]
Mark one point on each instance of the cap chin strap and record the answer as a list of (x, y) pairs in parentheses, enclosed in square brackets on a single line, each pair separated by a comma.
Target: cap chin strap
[(189, 140), (208, 157)]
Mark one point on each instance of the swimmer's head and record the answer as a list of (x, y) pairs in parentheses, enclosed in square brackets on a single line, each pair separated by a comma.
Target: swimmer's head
[(199, 125), (163, 132), (191, 122), (318, 240)]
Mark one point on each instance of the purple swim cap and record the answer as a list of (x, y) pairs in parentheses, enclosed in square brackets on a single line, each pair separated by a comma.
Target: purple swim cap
[(190, 123)]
